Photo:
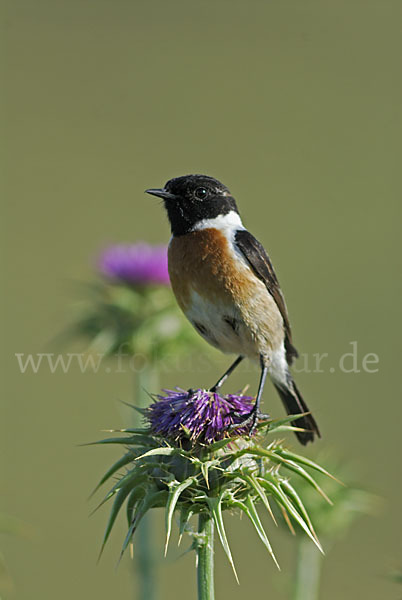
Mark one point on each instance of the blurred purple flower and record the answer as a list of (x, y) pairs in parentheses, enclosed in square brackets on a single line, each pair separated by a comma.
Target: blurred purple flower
[(203, 416), (135, 264)]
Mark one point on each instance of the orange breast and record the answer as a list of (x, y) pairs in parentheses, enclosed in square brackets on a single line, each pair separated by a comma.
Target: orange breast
[(202, 261)]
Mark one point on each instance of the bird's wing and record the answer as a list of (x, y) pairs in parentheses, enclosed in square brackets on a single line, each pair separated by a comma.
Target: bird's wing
[(258, 260)]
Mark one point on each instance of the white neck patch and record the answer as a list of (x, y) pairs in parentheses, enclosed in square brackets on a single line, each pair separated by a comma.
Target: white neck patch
[(228, 223)]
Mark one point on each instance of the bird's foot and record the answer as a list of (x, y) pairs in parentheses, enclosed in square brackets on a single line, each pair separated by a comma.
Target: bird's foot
[(251, 420), (212, 390)]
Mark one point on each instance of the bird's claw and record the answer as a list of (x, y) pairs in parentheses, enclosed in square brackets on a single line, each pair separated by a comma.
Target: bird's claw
[(250, 420)]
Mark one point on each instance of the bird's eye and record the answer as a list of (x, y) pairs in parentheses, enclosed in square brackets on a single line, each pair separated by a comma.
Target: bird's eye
[(201, 193)]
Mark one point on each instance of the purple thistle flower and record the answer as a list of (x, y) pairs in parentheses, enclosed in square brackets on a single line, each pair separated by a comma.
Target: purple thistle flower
[(200, 415), (135, 264)]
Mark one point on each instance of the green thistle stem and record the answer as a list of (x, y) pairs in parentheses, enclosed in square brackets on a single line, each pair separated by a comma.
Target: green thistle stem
[(205, 556), (146, 380), (308, 572)]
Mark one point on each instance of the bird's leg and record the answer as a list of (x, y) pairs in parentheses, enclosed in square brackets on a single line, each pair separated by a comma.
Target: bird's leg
[(230, 370), (222, 379), (255, 414)]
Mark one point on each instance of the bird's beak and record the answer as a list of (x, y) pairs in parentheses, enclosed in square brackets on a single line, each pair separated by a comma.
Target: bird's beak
[(161, 193)]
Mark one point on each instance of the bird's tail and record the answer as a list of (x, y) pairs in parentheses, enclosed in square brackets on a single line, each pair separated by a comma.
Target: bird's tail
[(294, 404)]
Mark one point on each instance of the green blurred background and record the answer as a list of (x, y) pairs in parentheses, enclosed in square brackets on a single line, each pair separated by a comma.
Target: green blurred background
[(296, 106)]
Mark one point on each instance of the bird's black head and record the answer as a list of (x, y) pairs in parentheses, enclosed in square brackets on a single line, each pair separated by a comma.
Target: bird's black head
[(192, 198)]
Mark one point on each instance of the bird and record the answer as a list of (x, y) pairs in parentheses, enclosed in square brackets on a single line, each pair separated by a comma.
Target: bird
[(225, 284)]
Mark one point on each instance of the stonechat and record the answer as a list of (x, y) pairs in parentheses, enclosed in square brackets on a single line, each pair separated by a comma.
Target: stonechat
[(226, 286)]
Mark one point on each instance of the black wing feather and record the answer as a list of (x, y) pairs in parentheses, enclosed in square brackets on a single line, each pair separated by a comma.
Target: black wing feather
[(258, 259)]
